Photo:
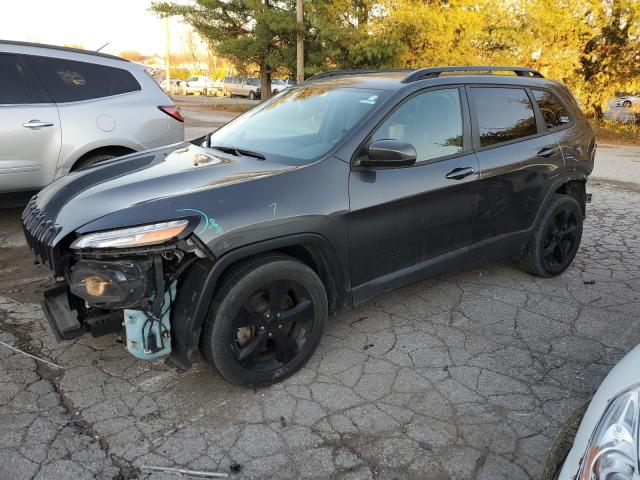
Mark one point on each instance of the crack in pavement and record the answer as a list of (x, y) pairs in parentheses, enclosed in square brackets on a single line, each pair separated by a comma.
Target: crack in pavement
[(468, 375)]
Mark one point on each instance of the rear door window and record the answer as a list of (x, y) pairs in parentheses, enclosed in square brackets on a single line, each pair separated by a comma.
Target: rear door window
[(14, 88), (504, 114), (71, 81), (553, 112)]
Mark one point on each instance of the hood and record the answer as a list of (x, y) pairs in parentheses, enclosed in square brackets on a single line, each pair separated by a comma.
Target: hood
[(149, 185)]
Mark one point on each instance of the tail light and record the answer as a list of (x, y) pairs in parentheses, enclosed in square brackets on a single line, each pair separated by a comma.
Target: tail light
[(172, 111)]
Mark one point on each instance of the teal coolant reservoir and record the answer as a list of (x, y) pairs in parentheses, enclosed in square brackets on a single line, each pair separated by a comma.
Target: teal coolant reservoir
[(149, 340)]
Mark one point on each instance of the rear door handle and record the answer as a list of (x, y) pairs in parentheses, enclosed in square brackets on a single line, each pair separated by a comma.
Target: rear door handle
[(459, 173), (547, 152), (35, 124)]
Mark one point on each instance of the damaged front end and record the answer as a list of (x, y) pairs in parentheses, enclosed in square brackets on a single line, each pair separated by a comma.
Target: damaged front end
[(125, 281)]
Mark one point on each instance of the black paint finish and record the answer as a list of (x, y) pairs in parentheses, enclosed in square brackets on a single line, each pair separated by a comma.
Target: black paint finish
[(368, 229)]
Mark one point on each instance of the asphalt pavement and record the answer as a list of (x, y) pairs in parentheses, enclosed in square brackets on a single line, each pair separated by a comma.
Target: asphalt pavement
[(468, 375)]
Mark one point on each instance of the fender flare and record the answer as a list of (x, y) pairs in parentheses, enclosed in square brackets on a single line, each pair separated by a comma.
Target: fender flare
[(565, 178)]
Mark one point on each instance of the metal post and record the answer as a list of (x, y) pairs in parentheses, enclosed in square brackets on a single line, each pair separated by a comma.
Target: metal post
[(300, 43), (167, 50)]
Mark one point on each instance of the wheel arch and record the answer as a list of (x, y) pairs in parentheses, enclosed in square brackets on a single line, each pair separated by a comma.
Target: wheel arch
[(577, 189), (312, 249), (572, 185), (117, 150)]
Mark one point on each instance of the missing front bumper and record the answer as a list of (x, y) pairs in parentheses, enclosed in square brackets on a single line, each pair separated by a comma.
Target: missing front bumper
[(64, 321)]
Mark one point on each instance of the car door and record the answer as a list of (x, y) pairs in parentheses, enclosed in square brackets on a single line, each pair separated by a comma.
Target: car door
[(412, 222), (30, 132), (518, 159)]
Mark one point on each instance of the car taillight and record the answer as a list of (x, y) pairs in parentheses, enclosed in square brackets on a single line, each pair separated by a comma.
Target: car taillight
[(172, 111)]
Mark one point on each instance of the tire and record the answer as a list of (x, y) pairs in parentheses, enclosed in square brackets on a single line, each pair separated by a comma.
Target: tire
[(562, 445), (276, 341), (252, 95), (626, 103), (93, 160), (551, 250)]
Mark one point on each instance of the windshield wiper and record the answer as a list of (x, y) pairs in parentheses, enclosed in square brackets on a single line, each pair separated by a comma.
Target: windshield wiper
[(238, 152)]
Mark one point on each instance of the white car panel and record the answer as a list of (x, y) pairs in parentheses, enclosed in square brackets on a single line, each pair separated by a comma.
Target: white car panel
[(621, 377)]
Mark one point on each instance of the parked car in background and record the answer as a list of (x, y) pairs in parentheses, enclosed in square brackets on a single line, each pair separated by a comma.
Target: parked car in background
[(62, 109), (242, 87), (243, 241), (175, 86), (279, 84), (627, 100), (215, 89), (601, 441), (196, 85)]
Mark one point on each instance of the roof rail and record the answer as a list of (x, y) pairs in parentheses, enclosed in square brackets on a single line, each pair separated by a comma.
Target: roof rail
[(432, 72), (341, 73), (64, 49)]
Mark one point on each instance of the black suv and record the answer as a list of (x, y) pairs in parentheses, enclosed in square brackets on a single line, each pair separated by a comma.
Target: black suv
[(347, 186)]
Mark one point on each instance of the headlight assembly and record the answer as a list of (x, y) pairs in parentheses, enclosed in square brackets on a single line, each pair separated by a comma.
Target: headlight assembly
[(132, 237), (613, 449)]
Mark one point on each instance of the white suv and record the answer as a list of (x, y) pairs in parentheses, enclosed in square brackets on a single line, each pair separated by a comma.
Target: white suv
[(199, 84), (63, 109)]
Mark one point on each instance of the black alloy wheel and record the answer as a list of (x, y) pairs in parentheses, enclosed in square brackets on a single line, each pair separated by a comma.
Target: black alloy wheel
[(555, 239), (265, 321), (272, 326), (560, 239)]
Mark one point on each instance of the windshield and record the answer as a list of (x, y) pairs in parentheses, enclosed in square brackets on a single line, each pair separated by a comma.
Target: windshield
[(299, 124), (277, 81)]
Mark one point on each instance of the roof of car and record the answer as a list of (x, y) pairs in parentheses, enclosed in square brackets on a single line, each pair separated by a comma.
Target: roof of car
[(393, 79), (60, 48)]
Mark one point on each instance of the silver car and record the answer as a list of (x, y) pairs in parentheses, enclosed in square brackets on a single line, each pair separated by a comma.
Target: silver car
[(62, 109), (627, 100)]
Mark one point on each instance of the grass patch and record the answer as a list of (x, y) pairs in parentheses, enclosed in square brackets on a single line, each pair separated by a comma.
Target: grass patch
[(610, 131)]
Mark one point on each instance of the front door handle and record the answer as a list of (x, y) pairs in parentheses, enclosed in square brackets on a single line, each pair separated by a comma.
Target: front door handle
[(36, 124), (547, 152), (459, 173)]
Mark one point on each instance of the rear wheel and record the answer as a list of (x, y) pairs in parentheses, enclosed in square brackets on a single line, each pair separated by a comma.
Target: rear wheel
[(93, 160), (265, 321), (555, 240), (626, 103)]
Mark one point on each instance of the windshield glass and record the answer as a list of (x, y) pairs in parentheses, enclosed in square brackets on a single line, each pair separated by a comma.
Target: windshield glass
[(299, 124)]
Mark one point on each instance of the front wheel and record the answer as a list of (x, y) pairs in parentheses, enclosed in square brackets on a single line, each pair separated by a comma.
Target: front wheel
[(562, 445), (626, 104), (252, 95), (266, 321), (555, 239)]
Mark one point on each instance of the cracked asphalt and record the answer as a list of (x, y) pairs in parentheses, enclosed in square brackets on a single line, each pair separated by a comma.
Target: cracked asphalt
[(468, 375)]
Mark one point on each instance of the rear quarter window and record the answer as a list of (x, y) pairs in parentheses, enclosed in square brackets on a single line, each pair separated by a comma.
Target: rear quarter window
[(14, 87), (553, 112), (72, 81), (504, 114)]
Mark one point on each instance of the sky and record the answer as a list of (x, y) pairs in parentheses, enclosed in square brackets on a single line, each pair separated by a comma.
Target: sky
[(125, 24)]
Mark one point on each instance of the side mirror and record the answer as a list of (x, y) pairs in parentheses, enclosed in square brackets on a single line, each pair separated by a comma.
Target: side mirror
[(389, 153)]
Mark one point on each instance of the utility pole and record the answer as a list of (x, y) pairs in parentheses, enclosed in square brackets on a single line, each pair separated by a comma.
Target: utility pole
[(167, 60), (300, 43)]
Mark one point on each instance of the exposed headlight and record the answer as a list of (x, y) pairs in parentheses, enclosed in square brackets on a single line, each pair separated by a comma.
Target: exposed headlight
[(613, 449), (132, 237)]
